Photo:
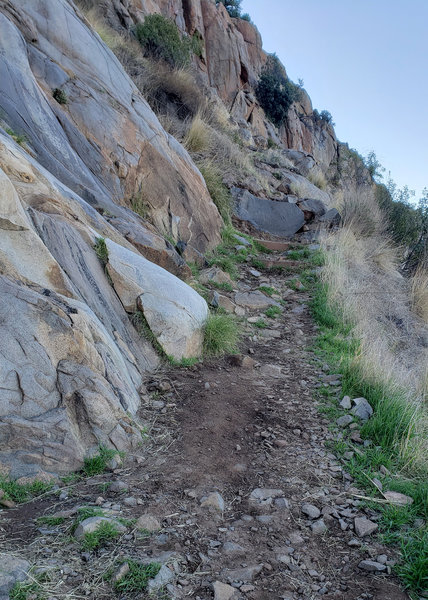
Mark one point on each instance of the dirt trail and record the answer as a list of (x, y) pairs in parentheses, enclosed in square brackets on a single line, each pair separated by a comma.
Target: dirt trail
[(229, 427)]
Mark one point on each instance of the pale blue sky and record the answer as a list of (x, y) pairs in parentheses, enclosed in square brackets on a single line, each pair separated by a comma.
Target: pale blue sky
[(365, 61)]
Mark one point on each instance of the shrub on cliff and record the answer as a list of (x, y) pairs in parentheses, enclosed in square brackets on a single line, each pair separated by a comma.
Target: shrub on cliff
[(233, 7), (275, 91), (161, 39)]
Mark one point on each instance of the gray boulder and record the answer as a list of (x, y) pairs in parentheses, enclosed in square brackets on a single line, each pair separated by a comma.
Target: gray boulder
[(279, 218)]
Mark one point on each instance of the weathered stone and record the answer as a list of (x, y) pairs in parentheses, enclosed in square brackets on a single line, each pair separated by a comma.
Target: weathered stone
[(213, 500), (372, 566), (163, 578), (279, 218), (264, 495), (92, 523), (344, 420), (345, 403), (311, 511), (331, 217), (319, 527), (174, 312), (12, 571), (362, 409), (397, 498), (148, 523), (215, 275), (254, 300), (222, 591), (244, 574), (364, 527)]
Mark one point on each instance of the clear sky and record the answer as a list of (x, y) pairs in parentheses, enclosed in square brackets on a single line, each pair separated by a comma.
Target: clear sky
[(365, 61)]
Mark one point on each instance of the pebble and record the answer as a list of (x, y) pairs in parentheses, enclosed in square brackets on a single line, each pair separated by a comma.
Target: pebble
[(371, 566), (213, 500), (118, 486), (319, 527), (364, 526), (148, 523), (346, 403)]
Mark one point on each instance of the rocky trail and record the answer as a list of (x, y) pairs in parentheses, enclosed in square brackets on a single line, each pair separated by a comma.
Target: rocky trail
[(235, 492)]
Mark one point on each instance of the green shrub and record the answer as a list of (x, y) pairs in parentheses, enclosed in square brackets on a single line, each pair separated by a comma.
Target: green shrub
[(101, 250), (233, 7), (273, 311), (137, 578), (19, 139), (161, 39), (221, 335), (275, 92), (60, 96)]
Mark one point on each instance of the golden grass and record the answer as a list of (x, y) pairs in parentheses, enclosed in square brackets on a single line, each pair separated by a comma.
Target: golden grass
[(318, 179), (419, 293), (198, 137)]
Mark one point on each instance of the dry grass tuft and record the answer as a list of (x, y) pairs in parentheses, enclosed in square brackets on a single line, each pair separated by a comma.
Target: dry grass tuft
[(198, 137), (419, 293), (318, 179)]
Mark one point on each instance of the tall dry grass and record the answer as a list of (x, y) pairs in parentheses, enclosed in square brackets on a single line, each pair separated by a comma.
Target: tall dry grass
[(363, 282), (419, 292)]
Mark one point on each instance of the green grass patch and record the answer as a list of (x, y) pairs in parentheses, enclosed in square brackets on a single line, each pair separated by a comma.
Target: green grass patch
[(266, 289), (221, 335), (183, 362), (22, 492), (261, 324), (50, 521), (26, 590), (137, 578), (139, 321), (273, 311), (218, 191), (97, 464), (105, 533), (226, 287)]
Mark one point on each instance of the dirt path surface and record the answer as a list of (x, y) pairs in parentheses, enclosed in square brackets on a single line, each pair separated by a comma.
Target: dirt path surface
[(236, 469)]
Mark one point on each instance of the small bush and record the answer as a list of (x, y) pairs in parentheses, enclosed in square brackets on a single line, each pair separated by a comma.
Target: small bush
[(276, 92), (233, 7), (101, 250), (98, 464), (272, 312), (60, 96), (221, 335), (266, 289), (261, 324), (137, 578), (104, 533), (318, 179), (161, 39)]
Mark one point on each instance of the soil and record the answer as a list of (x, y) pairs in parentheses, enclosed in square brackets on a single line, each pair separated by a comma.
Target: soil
[(230, 426)]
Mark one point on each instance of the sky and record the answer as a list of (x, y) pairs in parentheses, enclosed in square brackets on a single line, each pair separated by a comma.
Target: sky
[(366, 62)]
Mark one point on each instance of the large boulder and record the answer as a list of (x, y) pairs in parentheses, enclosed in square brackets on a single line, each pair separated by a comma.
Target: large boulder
[(175, 313), (279, 218)]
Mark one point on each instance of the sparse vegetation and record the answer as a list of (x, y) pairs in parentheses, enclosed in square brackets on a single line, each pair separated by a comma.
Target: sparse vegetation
[(261, 324), (105, 532), (266, 289), (218, 191), (19, 138), (101, 250), (60, 96), (221, 335), (140, 323), (419, 292), (137, 577), (197, 138), (98, 464), (275, 91)]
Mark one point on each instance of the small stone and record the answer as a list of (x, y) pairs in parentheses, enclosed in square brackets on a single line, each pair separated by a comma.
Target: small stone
[(99, 501), (115, 462), (247, 588), (371, 566), (254, 272), (130, 501), (311, 511), (158, 404), (245, 574), (319, 527), (382, 559), (264, 495), (354, 543), (344, 420), (346, 403), (362, 409), (213, 500), (163, 578), (118, 486), (121, 572), (270, 370), (397, 498), (148, 523), (222, 591), (280, 443), (364, 526)]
